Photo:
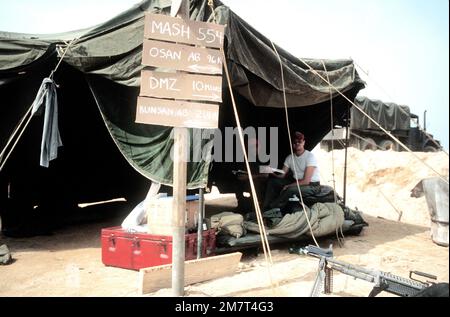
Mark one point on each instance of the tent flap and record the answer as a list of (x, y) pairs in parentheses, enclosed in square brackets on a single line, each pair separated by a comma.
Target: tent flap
[(148, 148)]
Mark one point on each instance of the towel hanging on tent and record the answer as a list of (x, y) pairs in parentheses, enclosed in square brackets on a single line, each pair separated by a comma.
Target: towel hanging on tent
[(51, 138)]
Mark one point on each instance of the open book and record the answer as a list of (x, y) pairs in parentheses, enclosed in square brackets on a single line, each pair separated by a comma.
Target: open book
[(266, 169), (239, 172)]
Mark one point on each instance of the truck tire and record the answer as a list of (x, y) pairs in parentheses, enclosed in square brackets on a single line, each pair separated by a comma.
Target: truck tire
[(387, 145), (430, 148), (368, 144)]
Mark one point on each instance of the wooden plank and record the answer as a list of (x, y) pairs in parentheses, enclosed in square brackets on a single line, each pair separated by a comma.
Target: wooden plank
[(181, 86), (182, 57), (175, 113), (166, 28), (154, 278)]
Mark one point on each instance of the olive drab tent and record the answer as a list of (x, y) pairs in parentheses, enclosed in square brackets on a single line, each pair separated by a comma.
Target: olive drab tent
[(105, 153)]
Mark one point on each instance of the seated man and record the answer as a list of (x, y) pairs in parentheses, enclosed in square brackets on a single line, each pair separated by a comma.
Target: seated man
[(245, 204), (303, 166)]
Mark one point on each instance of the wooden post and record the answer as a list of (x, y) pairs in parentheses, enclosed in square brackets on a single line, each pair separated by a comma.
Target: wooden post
[(189, 117), (201, 213), (179, 196), (179, 211)]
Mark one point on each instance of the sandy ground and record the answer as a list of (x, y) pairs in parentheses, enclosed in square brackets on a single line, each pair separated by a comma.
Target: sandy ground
[(68, 262)]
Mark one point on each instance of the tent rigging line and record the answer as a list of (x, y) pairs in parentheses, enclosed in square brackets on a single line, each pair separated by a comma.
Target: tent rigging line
[(332, 133), (265, 242), (262, 230), (427, 135), (341, 243), (213, 12), (18, 127), (370, 118), (397, 210), (367, 74), (429, 138), (382, 194), (364, 140), (11, 138), (290, 142)]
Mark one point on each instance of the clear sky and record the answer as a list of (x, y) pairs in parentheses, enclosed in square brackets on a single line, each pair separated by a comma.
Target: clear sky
[(402, 46)]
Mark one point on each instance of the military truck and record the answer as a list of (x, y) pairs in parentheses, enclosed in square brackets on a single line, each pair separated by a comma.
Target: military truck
[(366, 135)]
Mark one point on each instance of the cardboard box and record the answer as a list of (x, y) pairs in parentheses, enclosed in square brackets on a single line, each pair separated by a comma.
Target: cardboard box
[(159, 214)]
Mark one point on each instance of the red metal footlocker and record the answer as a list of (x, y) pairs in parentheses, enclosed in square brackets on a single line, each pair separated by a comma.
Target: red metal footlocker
[(138, 250)]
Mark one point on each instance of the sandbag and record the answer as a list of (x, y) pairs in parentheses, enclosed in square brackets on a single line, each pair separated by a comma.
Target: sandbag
[(229, 223), (5, 255)]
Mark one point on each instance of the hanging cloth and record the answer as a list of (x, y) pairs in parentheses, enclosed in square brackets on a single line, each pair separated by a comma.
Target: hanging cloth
[(51, 138)]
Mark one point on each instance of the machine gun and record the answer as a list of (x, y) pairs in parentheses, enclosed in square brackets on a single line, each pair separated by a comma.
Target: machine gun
[(383, 281)]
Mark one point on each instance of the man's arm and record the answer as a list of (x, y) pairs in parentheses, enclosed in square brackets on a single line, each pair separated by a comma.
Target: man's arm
[(308, 175), (285, 170), (309, 171)]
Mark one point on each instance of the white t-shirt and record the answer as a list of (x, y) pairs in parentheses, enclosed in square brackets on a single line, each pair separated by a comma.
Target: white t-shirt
[(301, 163)]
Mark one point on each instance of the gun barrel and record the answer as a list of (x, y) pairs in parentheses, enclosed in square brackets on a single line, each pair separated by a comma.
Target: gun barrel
[(352, 267), (354, 272)]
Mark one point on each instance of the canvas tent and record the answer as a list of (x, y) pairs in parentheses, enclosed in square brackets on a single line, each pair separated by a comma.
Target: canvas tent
[(105, 154)]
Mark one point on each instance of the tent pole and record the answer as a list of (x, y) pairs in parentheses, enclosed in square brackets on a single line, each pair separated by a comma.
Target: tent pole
[(179, 210), (201, 211), (346, 152)]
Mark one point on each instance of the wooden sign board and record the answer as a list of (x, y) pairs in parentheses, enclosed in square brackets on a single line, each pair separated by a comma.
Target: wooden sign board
[(175, 113), (155, 278), (181, 86), (166, 28), (181, 57)]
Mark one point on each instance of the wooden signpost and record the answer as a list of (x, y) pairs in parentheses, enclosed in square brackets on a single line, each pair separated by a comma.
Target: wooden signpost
[(166, 28), (202, 59), (181, 86), (179, 45), (177, 113), (183, 57)]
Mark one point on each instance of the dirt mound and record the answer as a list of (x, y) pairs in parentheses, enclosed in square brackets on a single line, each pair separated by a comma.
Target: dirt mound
[(379, 183)]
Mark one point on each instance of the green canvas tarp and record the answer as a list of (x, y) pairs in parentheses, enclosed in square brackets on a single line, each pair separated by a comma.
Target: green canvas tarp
[(390, 116), (101, 71)]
